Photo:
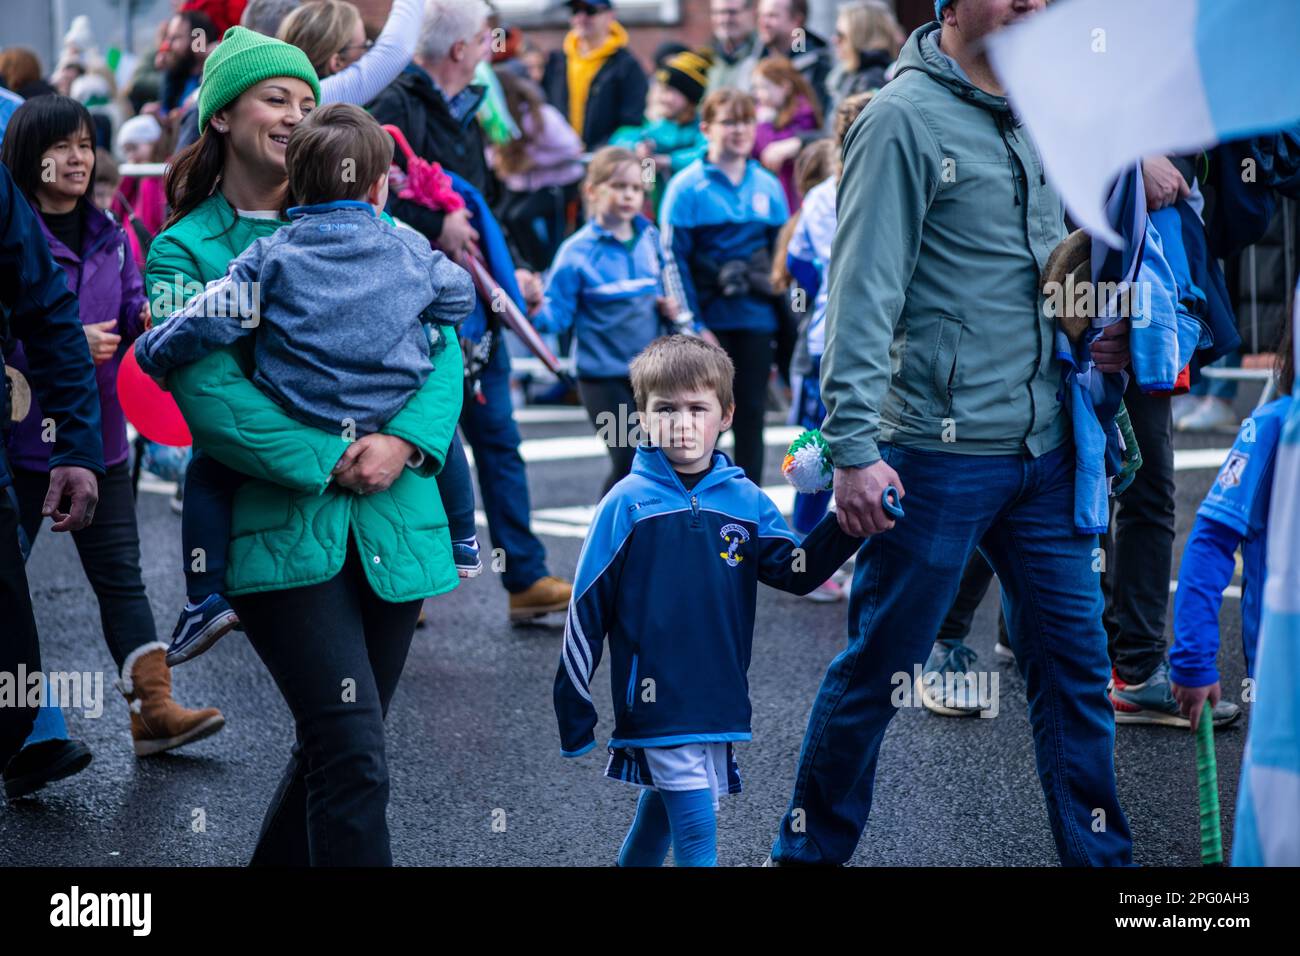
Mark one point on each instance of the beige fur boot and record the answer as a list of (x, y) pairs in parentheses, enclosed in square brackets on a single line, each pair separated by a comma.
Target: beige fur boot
[(158, 723)]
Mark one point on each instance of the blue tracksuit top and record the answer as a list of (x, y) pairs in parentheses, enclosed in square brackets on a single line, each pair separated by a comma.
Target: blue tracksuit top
[(707, 221), (608, 293), (670, 577), (1234, 512)]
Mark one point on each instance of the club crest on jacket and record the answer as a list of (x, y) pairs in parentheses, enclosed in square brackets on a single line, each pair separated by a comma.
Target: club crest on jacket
[(735, 536)]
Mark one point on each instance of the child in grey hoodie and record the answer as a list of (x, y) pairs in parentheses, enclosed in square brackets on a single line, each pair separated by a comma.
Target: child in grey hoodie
[(345, 311)]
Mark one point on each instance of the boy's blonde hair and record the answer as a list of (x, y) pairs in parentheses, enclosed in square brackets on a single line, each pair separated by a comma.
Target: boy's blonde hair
[(679, 363), (727, 101)]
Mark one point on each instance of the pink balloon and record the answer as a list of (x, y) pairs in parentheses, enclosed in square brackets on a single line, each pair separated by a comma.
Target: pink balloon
[(151, 410)]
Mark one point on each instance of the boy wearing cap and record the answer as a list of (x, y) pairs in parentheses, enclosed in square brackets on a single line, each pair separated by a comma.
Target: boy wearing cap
[(671, 133)]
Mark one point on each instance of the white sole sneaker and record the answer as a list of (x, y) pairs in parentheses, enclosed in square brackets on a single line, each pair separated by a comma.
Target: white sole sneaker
[(934, 704)]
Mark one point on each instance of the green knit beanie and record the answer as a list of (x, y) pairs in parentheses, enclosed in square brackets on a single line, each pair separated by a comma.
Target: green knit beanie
[(244, 59)]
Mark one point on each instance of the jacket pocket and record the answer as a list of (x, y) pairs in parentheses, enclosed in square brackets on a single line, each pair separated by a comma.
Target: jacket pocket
[(943, 363), (631, 682)]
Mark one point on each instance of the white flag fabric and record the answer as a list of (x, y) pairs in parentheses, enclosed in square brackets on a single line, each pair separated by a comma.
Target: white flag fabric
[(1102, 83)]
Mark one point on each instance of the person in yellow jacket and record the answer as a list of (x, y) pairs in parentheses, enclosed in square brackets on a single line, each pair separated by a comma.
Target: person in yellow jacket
[(595, 80)]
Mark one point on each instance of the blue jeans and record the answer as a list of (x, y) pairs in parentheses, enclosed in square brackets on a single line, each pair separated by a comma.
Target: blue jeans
[(1017, 510), (456, 488), (209, 498), (490, 429)]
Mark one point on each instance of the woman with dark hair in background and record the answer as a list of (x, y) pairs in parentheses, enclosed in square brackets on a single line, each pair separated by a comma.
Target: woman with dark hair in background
[(55, 133)]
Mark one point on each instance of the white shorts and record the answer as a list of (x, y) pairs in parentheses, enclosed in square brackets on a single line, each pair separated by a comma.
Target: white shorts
[(704, 766)]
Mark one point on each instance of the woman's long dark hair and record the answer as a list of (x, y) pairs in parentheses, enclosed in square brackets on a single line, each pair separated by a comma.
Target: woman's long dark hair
[(36, 126), (193, 175), (1285, 362)]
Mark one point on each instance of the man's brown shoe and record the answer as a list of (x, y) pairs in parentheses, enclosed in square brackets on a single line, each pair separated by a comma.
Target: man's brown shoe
[(158, 723), (545, 596)]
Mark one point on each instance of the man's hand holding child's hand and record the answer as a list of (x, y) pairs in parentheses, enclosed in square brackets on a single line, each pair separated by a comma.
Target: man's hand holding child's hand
[(858, 496)]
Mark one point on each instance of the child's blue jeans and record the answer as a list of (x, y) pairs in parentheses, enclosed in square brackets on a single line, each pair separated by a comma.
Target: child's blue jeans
[(1018, 510)]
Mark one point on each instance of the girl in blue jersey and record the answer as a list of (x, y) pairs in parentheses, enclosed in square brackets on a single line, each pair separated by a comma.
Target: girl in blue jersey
[(607, 285), (1234, 514)]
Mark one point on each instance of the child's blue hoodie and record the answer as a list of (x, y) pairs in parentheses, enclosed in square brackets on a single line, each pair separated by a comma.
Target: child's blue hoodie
[(1235, 512)]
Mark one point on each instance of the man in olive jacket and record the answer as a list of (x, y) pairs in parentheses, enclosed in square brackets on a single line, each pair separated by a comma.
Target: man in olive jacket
[(939, 378)]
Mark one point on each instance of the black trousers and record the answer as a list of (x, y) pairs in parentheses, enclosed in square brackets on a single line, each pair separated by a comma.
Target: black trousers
[(336, 651), (751, 353), (19, 647), (109, 548), (611, 405), (1139, 548)]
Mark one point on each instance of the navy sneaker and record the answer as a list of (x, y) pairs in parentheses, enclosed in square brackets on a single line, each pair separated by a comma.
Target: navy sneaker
[(199, 628), (1152, 702), (465, 554), (944, 687)]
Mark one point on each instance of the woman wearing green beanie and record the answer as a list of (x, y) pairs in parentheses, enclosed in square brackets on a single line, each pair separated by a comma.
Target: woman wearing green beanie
[(328, 564)]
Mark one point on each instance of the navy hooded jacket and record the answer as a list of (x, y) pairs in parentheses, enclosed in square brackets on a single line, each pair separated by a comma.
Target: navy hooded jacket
[(671, 577), (38, 308)]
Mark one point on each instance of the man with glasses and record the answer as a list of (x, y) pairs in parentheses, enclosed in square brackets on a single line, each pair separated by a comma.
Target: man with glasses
[(736, 45), (434, 103), (595, 81)]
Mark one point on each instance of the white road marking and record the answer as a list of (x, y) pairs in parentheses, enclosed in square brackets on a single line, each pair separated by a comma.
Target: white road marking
[(549, 414)]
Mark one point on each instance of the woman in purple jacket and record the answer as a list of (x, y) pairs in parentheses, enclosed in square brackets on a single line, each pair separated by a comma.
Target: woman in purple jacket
[(49, 149)]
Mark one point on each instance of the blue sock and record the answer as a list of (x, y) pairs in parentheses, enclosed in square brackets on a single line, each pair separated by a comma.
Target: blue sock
[(694, 826), (646, 843)]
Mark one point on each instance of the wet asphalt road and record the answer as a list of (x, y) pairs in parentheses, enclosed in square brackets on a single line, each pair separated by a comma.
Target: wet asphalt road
[(476, 774)]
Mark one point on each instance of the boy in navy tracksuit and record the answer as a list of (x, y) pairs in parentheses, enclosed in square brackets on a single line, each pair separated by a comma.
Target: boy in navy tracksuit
[(685, 529)]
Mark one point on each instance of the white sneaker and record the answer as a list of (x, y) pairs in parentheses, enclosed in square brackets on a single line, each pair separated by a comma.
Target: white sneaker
[(1180, 406), (1212, 415)]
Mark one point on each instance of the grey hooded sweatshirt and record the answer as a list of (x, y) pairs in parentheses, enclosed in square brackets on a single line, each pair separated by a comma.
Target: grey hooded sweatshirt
[(345, 310)]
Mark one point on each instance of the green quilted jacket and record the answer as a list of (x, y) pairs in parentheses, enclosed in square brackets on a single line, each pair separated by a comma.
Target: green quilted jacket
[(291, 524)]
